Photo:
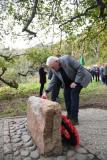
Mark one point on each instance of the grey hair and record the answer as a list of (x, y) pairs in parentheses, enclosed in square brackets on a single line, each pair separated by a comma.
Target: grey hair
[(51, 59)]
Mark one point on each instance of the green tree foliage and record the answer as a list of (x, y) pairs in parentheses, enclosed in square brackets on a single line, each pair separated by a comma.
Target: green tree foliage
[(83, 22), (70, 15), (13, 67), (37, 55)]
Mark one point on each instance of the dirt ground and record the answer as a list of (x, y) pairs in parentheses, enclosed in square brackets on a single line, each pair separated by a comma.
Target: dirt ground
[(13, 107), (98, 100)]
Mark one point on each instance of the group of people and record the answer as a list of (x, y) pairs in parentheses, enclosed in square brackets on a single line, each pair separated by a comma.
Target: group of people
[(69, 74), (99, 72)]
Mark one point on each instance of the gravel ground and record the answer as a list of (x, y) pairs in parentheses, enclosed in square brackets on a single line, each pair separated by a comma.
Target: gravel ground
[(93, 131)]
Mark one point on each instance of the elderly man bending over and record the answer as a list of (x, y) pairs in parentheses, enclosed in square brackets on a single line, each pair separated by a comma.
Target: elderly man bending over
[(73, 77)]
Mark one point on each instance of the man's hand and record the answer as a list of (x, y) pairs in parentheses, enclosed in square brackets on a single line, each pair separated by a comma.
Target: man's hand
[(73, 85), (44, 96)]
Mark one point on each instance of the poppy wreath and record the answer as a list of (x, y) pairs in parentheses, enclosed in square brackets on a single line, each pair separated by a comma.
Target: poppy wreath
[(69, 132)]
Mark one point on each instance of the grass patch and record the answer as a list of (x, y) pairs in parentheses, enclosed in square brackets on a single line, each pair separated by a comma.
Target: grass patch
[(24, 90), (95, 92)]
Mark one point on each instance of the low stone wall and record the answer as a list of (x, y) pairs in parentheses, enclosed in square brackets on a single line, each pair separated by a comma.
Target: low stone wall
[(44, 120)]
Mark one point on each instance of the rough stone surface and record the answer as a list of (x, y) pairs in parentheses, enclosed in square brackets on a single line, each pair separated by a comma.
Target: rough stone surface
[(43, 118)]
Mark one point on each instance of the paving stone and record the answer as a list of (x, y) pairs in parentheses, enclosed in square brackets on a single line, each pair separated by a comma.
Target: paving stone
[(15, 140), (70, 153), (24, 153), (72, 158), (81, 150), (6, 126), (34, 154), (18, 145), (22, 122), (7, 148), (48, 158), (61, 158), (23, 130), (14, 147), (12, 131), (11, 123), (1, 145), (29, 144), (16, 136), (1, 126), (27, 158), (22, 126), (12, 128), (8, 157), (6, 129), (12, 134), (17, 158), (6, 139), (6, 133), (26, 138), (32, 148), (1, 140), (79, 156), (16, 153), (1, 155), (17, 127), (1, 132), (19, 132), (25, 133), (90, 156)]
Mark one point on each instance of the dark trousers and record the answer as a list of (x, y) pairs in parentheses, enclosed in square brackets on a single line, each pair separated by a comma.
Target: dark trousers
[(55, 91), (106, 79), (41, 89), (71, 96), (97, 78)]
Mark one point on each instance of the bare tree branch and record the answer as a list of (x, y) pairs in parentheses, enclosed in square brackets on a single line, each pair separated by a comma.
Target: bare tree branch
[(30, 70), (7, 58), (79, 15), (3, 71), (12, 83), (23, 74), (32, 16), (31, 32), (11, 57)]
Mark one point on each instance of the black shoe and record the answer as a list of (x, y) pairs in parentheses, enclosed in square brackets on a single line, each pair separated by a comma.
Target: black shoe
[(73, 120)]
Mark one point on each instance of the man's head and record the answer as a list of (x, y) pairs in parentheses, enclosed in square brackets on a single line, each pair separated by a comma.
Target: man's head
[(53, 62)]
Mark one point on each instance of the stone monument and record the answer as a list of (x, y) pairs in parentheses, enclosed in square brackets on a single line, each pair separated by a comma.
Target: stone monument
[(44, 120)]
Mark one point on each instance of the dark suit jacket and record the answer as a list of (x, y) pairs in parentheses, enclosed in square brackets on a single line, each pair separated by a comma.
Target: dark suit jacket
[(42, 75), (74, 70)]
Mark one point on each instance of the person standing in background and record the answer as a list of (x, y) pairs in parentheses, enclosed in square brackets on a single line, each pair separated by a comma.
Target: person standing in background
[(105, 73), (42, 78)]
